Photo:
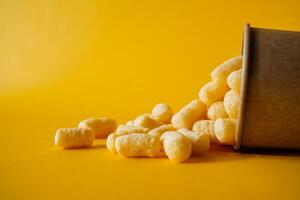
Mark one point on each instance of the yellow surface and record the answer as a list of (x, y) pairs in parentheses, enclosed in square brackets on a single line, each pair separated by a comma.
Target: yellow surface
[(63, 61)]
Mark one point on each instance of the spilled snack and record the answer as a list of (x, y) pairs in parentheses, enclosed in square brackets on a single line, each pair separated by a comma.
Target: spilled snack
[(209, 119)]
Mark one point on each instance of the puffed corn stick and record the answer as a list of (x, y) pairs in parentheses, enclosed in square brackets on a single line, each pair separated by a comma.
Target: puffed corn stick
[(213, 91), (101, 127), (137, 145), (162, 113), (216, 111), (69, 138), (130, 123), (231, 104), (207, 127), (125, 129), (110, 142), (190, 113), (122, 130), (176, 146), (157, 132), (222, 71), (234, 81), (225, 130), (200, 141), (146, 121)]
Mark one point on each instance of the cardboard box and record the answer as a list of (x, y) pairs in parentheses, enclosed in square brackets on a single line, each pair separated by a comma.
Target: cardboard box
[(270, 94)]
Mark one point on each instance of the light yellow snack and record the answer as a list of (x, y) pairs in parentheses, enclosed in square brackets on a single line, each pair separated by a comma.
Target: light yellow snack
[(137, 145), (110, 142), (222, 71), (234, 81), (207, 127), (130, 123), (213, 91), (200, 141), (216, 111), (125, 129), (190, 113), (146, 121), (176, 146), (157, 132), (225, 130), (162, 113), (101, 127), (184, 131), (69, 138), (231, 104)]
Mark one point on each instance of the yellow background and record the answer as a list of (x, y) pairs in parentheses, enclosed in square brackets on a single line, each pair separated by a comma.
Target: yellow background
[(63, 61)]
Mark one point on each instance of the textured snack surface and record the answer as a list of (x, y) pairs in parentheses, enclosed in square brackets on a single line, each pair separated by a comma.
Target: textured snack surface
[(137, 145), (157, 132), (176, 146), (207, 127), (217, 110), (101, 127), (231, 104), (69, 138), (213, 91), (127, 129), (146, 121), (123, 130), (162, 113), (130, 123), (225, 130), (189, 114), (200, 141), (234, 81), (222, 71), (110, 142)]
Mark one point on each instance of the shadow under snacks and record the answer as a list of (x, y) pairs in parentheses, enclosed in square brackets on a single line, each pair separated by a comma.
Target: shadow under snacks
[(219, 153)]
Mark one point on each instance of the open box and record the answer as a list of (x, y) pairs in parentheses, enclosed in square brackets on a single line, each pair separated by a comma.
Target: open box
[(269, 114)]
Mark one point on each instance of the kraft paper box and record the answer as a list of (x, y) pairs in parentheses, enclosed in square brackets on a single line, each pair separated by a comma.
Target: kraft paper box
[(270, 93)]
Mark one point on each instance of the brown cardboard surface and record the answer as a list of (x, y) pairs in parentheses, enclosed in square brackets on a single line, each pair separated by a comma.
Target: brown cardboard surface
[(270, 109)]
